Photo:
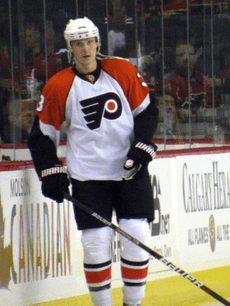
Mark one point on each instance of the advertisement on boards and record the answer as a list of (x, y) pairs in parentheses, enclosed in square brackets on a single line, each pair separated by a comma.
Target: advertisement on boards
[(39, 243), (162, 228), (203, 205)]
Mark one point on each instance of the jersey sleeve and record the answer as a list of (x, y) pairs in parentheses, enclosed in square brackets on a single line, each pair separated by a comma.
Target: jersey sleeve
[(42, 148), (137, 93), (51, 108), (145, 123), (50, 114)]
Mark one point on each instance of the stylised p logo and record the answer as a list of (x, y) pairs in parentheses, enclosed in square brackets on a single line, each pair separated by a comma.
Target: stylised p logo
[(107, 105)]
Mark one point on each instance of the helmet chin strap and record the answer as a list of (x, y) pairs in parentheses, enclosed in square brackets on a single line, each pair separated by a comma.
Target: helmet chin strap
[(69, 56)]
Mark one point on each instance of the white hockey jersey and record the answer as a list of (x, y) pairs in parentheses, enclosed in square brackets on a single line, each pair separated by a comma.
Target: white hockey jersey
[(98, 114)]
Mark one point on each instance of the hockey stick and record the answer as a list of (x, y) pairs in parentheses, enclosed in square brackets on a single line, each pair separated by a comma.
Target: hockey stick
[(147, 249)]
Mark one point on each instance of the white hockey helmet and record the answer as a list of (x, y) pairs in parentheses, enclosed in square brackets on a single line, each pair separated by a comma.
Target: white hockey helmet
[(80, 28)]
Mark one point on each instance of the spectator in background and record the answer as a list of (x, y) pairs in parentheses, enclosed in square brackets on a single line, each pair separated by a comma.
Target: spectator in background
[(11, 130), (121, 36), (148, 68), (186, 84), (168, 121), (34, 57), (153, 7)]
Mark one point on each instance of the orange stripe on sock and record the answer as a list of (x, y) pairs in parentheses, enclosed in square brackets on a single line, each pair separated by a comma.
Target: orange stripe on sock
[(134, 273), (96, 277)]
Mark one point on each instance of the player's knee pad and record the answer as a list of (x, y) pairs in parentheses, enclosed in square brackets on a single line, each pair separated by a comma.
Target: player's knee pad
[(96, 244), (139, 229)]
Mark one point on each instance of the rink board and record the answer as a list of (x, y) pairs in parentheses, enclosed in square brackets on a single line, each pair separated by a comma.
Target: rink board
[(191, 229)]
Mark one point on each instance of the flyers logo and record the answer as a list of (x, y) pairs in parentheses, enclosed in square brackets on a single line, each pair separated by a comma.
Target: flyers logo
[(104, 106)]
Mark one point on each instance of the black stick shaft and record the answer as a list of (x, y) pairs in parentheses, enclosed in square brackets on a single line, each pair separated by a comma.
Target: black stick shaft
[(147, 249)]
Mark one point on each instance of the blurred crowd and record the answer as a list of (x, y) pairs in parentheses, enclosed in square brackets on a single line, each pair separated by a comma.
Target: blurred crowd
[(187, 80)]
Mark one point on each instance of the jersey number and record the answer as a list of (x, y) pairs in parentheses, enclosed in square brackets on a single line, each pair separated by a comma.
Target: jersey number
[(41, 103)]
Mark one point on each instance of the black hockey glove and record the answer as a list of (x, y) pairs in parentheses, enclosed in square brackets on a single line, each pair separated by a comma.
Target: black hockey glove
[(54, 182), (131, 168), (139, 156)]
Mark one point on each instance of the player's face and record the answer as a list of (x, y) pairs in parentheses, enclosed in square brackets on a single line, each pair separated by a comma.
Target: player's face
[(84, 52)]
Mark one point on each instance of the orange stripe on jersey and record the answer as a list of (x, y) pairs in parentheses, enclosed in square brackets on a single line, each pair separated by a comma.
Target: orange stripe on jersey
[(95, 277), (125, 73), (51, 108), (134, 273)]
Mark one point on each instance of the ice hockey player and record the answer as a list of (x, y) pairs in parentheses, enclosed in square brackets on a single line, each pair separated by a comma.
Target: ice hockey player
[(110, 120)]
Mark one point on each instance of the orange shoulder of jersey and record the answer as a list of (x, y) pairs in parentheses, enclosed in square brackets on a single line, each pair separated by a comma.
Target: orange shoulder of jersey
[(51, 107), (126, 75)]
